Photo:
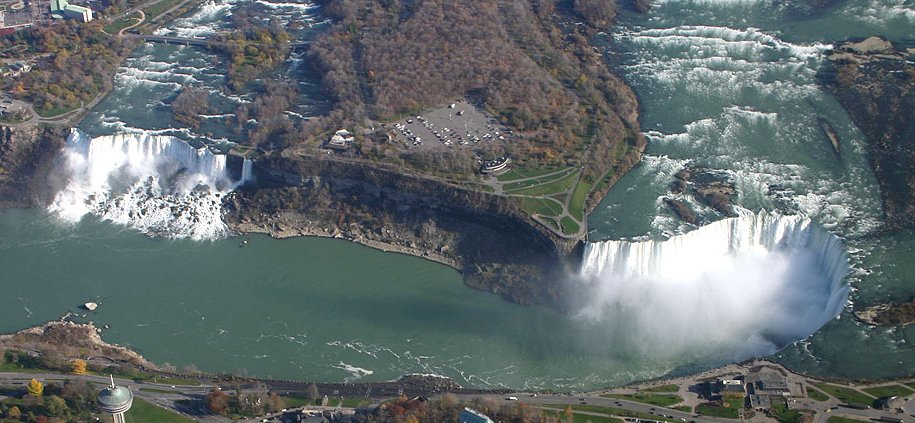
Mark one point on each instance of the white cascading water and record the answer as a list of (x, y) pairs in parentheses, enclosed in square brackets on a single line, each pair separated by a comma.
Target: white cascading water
[(159, 185), (737, 288)]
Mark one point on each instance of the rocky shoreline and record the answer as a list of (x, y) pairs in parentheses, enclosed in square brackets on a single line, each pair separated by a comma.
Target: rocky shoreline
[(70, 339)]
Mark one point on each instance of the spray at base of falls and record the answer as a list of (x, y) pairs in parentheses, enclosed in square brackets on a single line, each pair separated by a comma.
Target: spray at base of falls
[(734, 289), (159, 185)]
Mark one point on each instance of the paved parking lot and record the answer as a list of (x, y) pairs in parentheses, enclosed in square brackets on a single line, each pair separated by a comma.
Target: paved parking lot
[(454, 125)]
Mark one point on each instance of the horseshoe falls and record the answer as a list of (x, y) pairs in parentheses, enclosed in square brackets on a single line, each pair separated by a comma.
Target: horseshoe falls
[(737, 288)]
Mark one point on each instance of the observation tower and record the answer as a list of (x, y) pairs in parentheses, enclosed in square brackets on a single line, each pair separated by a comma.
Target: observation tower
[(115, 400)]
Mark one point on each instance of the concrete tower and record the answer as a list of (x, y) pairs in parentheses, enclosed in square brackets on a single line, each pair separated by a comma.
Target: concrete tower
[(115, 400)]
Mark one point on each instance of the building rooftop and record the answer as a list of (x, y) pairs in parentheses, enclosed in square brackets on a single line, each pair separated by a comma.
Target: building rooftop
[(115, 398)]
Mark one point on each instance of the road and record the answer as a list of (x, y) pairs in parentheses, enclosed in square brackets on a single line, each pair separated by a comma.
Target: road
[(162, 399)]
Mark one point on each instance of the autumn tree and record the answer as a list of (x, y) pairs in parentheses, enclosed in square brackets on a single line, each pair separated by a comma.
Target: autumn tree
[(217, 401), (189, 105), (78, 367), (14, 413), (35, 388)]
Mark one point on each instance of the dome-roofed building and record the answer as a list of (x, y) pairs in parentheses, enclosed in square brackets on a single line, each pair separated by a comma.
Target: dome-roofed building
[(115, 400)]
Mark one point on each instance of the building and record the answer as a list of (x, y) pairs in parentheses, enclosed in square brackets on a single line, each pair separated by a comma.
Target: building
[(496, 167), (63, 9), (115, 400), (473, 416), (732, 388), (341, 140)]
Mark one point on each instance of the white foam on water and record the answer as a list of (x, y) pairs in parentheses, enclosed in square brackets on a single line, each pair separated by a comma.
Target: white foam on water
[(159, 185), (733, 289)]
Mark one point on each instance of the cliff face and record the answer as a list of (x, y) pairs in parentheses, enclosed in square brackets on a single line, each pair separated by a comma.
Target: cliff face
[(875, 82), (488, 238), (27, 157)]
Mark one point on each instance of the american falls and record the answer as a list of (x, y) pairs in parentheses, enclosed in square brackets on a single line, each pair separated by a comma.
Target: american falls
[(159, 185)]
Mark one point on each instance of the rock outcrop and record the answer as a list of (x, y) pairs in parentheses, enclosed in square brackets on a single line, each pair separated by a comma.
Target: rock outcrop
[(875, 82), (27, 158)]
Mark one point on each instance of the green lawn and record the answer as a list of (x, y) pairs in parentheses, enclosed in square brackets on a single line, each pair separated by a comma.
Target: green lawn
[(153, 12), (521, 173), (683, 408), (55, 112), (541, 206), (716, 411), (577, 203), (293, 402), (783, 414), (143, 412), (160, 391), (569, 226), (844, 394), (837, 419), (114, 27), (816, 395), (550, 186), (15, 368), (662, 400), (583, 418), (662, 388), (612, 410), (174, 381), (889, 391)]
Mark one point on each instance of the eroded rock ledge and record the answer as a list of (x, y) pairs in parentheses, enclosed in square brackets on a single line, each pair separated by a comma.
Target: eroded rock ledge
[(487, 237)]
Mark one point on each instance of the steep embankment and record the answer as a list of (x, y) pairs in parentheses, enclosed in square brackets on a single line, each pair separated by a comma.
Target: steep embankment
[(27, 156), (875, 82), (487, 237)]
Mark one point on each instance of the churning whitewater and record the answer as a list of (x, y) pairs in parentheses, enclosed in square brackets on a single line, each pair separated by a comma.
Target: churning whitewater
[(736, 288), (159, 185)]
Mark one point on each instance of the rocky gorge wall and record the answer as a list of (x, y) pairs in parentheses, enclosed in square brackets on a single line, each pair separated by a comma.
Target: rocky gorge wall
[(488, 238), (28, 155)]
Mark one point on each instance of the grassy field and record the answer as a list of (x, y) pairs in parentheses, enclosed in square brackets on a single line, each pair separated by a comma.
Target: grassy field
[(816, 395), (521, 173), (15, 368), (144, 412), (783, 414), (662, 388), (612, 411), (113, 27), (55, 112), (683, 408), (844, 394), (545, 186), (889, 391), (173, 381), (569, 225), (160, 391), (584, 418), (837, 419), (153, 12), (716, 411), (546, 207), (577, 203), (662, 400)]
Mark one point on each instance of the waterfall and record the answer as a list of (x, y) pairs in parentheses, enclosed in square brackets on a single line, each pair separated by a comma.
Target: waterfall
[(159, 185), (743, 286)]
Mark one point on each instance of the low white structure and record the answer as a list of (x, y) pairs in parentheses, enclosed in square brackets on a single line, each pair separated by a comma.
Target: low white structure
[(341, 140)]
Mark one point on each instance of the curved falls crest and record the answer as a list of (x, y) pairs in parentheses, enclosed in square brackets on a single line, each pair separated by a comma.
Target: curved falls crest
[(733, 289)]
